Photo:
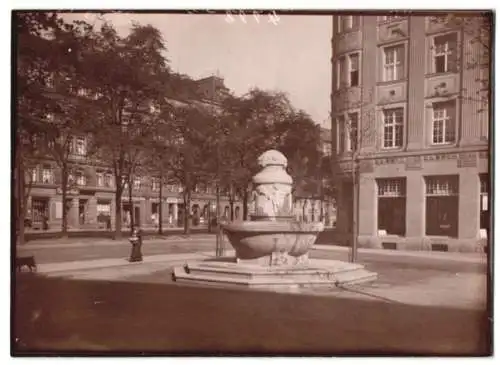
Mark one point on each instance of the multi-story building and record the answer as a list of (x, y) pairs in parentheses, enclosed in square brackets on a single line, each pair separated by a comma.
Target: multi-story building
[(403, 116), (91, 199)]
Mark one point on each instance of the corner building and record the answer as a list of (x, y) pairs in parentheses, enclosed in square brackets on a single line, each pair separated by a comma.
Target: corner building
[(402, 115)]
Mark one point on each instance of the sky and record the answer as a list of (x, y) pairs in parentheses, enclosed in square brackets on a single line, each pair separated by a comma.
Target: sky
[(289, 53)]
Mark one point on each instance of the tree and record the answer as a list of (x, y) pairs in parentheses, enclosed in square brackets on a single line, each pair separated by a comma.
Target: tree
[(128, 75), (299, 140), (249, 124), (187, 129), (47, 114)]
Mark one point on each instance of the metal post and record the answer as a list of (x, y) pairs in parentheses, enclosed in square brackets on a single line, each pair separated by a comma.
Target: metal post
[(218, 241), (355, 211)]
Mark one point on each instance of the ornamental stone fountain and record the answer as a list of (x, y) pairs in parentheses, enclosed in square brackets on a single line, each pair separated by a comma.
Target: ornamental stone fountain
[(271, 251)]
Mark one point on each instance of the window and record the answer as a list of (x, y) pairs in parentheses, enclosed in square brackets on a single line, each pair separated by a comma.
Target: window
[(103, 211), (348, 71), (107, 180), (352, 132), (47, 175), (394, 63), (353, 70), (80, 147), (445, 53), (347, 23), (393, 128), (69, 144), (39, 208), (443, 122), (392, 206), (342, 137), (81, 179), (124, 182), (34, 174), (442, 205), (390, 18), (104, 208), (137, 183), (100, 179), (341, 72), (155, 184)]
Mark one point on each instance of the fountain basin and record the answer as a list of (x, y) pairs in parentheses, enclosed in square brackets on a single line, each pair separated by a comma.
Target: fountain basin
[(255, 239)]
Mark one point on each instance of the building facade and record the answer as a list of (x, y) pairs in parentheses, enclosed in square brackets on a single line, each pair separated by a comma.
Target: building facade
[(90, 200), (407, 130)]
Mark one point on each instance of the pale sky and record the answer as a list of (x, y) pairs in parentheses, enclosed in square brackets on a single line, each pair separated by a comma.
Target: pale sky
[(292, 55)]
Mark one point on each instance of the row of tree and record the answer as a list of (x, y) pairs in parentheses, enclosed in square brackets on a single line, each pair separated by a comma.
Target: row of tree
[(140, 118)]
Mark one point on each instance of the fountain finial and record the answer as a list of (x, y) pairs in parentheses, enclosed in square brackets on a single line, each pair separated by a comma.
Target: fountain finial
[(272, 157)]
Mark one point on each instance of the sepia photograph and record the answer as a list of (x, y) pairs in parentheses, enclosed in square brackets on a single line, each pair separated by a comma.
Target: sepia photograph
[(251, 182)]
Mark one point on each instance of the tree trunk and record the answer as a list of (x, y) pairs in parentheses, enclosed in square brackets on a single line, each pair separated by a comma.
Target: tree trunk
[(118, 212), (187, 210), (231, 201), (131, 205), (64, 190), (245, 204), (304, 210), (160, 208)]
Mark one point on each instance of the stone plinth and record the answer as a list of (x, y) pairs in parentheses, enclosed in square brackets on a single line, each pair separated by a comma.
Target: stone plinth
[(231, 272)]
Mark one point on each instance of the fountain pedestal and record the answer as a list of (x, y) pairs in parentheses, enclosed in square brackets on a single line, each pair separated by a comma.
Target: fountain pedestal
[(272, 250)]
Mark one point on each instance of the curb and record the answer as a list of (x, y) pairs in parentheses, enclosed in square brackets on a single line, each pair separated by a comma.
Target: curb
[(109, 263), (431, 255), (89, 243)]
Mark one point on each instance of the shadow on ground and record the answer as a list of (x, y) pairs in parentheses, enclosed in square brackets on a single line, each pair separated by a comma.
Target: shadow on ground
[(57, 316)]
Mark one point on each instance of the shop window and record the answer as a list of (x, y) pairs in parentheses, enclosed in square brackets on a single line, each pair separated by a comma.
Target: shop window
[(392, 206), (40, 209), (441, 206)]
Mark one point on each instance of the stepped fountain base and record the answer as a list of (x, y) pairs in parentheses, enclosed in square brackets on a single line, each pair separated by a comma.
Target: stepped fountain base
[(232, 272), (272, 250)]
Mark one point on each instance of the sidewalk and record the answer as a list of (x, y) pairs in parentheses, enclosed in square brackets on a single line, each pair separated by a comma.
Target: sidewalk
[(71, 266), (431, 255), (92, 242)]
